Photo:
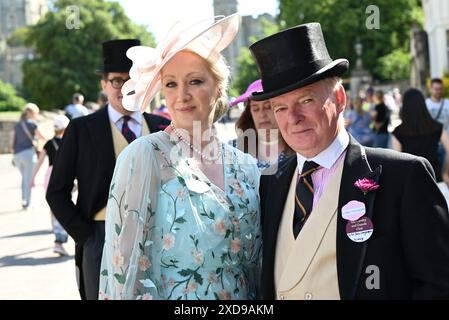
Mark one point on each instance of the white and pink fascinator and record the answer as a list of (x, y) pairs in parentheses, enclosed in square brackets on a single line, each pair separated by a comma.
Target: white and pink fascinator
[(207, 38)]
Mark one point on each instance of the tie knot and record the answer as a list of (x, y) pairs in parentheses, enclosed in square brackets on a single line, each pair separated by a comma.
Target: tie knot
[(126, 119), (309, 167)]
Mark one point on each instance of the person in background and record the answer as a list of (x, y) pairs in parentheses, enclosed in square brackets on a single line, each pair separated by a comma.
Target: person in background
[(162, 110), (88, 152), (368, 104), (76, 109), (358, 122), (268, 147), (24, 143), (381, 120), (50, 149), (419, 134), (92, 106), (438, 108), (102, 100)]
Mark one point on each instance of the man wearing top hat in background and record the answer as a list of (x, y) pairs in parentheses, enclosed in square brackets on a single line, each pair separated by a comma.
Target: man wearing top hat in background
[(341, 221), (88, 153)]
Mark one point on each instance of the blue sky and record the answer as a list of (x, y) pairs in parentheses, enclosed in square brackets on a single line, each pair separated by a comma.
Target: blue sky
[(157, 14)]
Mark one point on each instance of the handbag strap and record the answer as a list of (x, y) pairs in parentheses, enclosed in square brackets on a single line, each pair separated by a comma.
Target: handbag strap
[(27, 132), (441, 109), (55, 145)]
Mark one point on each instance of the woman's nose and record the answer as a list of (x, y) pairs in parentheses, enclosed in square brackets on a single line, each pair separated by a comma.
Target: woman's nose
[(264, 114), (183, 93)]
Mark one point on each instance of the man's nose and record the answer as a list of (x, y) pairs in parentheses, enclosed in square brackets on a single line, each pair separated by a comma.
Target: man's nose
[(294, 115)]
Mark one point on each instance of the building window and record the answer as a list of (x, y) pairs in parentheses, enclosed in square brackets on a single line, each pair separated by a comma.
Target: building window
[(11, 22)]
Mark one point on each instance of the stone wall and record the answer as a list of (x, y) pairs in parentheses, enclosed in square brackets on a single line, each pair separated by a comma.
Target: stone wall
[(44, 123), (6, 129)]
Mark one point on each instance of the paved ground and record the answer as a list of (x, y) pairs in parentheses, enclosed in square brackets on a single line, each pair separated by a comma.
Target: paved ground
[(28, 267)]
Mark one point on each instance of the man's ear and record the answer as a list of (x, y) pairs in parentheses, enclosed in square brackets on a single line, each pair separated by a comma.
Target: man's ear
[(340, 98), (103, 84)]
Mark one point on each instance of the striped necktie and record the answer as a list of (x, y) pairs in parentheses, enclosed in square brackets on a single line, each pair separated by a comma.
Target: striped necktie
[(126, 131), (304, 196)]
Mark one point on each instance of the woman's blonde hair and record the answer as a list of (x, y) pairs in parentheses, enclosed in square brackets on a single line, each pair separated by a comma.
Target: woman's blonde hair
[(221, 74), (29, 108)]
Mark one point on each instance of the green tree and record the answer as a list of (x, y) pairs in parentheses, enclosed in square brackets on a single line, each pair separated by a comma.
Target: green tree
[(247, 72), (67, 43), (395, 65), (247, 67), (9, 101), (343, 21)]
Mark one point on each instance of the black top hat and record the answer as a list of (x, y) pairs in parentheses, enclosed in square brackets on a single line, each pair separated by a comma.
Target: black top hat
[(114, 55), (292, 59)]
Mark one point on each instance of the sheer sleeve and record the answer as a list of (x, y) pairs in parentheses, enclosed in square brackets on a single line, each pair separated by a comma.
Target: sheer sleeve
[(125, 266)]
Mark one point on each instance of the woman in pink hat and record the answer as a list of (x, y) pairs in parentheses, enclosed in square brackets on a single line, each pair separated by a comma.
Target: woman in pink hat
[(183, 212), (258, 133)]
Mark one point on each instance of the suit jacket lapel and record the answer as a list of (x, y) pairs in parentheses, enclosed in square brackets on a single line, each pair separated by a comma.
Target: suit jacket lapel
[(279, 191), (99, 128), (274, 195), (147, 119), (350, 254), (155, 123)]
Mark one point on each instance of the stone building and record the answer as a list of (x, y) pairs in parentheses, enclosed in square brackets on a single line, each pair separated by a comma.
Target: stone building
[(436, 14), (250, 26), (15, 14)]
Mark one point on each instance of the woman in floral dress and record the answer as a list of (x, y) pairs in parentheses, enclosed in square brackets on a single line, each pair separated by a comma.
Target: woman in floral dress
[(183, 212)]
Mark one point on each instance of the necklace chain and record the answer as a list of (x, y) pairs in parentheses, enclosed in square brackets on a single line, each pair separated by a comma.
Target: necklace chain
[(195, 149)]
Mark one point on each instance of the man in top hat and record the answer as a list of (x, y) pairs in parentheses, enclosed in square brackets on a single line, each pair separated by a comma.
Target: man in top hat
[(90, 147), (341, 221)]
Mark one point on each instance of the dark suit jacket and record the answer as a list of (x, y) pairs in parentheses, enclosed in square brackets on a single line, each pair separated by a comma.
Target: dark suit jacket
[(410, 242), (87, 154)]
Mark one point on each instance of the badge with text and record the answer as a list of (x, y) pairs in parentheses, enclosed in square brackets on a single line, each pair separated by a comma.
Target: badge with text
[(359, 230), (353, 210)]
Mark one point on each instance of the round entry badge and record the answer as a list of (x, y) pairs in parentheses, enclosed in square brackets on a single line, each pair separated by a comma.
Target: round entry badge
[(359, 230)]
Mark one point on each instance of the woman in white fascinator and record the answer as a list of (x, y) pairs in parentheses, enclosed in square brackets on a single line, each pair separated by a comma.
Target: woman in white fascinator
[(183, 212)]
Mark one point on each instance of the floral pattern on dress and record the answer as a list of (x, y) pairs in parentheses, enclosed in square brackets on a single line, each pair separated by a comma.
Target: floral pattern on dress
[(197, 242)]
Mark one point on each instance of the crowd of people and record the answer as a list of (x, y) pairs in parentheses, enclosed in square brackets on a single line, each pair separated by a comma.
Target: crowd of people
[(299, 206), (421, 127)]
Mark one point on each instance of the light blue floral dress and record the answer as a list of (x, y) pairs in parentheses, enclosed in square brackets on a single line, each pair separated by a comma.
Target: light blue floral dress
[(172, 234)]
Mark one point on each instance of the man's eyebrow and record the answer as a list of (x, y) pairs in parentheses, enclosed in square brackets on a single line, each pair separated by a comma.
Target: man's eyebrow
[(306, 94)]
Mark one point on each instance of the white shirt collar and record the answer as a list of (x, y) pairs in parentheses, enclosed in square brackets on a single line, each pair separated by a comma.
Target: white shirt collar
[(327, 157), (115, 116)]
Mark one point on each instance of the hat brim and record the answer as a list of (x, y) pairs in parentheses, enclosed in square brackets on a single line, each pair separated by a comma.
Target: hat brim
[(113, 69), (223, 32), (239, 99), (334, 69)]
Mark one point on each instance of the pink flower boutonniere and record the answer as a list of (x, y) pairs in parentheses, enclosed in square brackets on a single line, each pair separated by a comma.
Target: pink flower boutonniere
[(366, 185)]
